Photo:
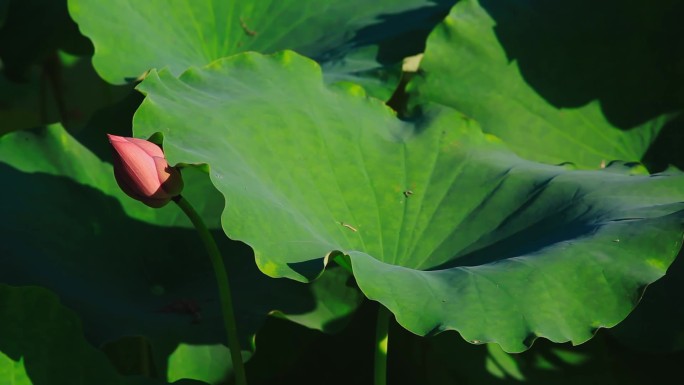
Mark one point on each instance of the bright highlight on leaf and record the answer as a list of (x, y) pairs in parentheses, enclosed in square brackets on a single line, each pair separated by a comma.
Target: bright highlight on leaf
[(499, 248)]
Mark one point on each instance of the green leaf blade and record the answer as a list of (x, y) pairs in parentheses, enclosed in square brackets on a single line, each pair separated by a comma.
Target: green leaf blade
[(131, 37), (468, 66), (442, 223)]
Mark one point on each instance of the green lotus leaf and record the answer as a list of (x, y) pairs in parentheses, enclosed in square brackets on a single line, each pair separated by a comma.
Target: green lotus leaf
[(555, 89), (356, 39), (41, 343), (441, 223), (13, 370), (66, 230), (202, 362)]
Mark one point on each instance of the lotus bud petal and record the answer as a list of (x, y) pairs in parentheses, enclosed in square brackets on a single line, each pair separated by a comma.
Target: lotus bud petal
[(142, 172)]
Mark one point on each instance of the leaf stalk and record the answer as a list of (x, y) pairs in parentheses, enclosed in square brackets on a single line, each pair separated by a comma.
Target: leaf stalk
[(223, 286), (381, 340)]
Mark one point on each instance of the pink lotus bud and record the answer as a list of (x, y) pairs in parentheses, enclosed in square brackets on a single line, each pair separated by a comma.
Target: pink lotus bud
[(142, 172)]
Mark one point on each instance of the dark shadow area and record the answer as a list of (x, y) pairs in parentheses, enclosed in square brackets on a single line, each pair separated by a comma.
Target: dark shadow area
[(403, 34), (598, 361), (396, 36), (34, 30), (287, 353), (547, 232), (46, 74), (123, 277), (309, 269), (116, 119), (627, 54), (45, 341), (668, 148), (554, 223), (450, 359), (639, 367), (656, 326)]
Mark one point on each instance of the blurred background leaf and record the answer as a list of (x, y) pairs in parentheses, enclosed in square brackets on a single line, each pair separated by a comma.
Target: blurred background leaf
[(41, 343)]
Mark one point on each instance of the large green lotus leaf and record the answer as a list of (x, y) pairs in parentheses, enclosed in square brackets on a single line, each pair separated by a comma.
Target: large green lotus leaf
[(41, 343), (442, 224), (178, 34), (64, 229), (556, 83)]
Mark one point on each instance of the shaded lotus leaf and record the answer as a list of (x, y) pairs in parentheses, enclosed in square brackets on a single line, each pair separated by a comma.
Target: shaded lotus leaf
[(41, 343), (358, 40), (68, 228), (558, 83), (53, 151), (441, 223)]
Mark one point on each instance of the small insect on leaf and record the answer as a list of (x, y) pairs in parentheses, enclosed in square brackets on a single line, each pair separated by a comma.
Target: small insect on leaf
[(407, 193), (350, 227), (248, 31)]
